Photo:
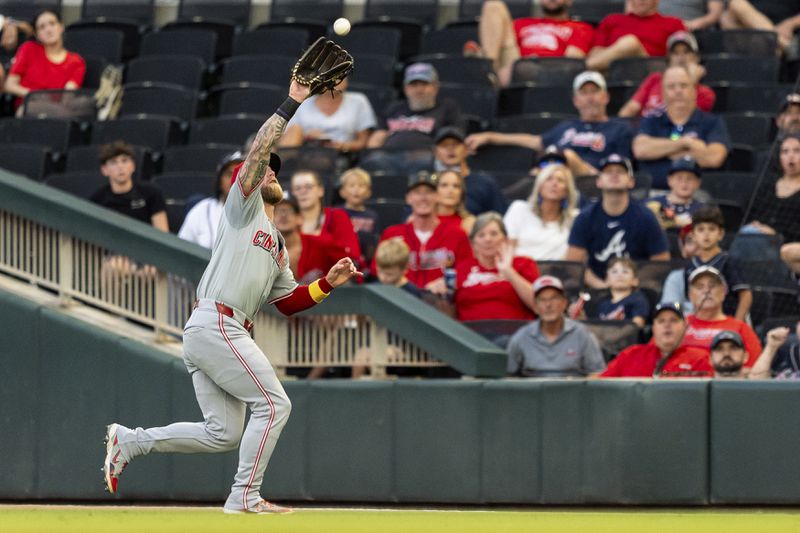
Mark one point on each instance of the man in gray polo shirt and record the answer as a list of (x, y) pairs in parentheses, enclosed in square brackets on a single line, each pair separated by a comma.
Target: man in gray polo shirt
[(553, 345)]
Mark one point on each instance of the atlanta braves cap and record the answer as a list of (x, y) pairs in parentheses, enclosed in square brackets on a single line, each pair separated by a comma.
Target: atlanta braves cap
[(589, 76), (706, 270), (686, 163), (726, 335), (616, 159), (683, 37), (675, 307), (545, 282), (449, 132), (551, 155)]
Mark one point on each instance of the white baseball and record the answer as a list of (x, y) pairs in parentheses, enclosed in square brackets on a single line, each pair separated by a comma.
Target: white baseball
[(341, 26)]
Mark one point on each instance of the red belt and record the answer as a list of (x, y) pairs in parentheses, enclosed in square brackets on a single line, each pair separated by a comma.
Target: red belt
[(228, 311)]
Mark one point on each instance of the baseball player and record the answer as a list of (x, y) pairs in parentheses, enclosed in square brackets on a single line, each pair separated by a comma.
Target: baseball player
[(249, 266)]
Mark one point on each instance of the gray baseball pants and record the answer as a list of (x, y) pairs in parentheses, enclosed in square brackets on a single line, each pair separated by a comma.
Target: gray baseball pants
[(229, 371)]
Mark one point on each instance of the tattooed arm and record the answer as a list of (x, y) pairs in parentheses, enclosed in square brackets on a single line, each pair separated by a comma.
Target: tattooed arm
[(255, 166)]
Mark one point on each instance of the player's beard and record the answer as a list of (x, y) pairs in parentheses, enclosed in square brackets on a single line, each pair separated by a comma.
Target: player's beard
[(272, 193)]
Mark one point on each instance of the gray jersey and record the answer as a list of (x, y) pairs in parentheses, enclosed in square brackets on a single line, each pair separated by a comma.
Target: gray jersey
[(249, 264)]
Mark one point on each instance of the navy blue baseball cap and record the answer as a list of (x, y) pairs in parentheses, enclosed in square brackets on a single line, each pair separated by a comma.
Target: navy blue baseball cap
[(552, 155), (686, 163), (675, 307), (616, 159), (726, 335)]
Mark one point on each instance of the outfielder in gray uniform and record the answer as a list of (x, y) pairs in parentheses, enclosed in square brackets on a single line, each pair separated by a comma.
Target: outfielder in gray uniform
[(249, 266)]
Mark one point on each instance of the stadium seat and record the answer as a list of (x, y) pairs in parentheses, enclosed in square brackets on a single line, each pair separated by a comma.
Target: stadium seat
[(593, 11), (547, 71), (754, 98), (613, 335), (752, 129), (477, 103), (569, 272), (471, 9), (224, 31), (75, 104), (159, 99), (27, 9), (325, 161), (373, 70), (423, 12), (200, 43), (634, 69), (410, 33), (132, 32), (767, 246), (772, 302), (55, 133), (651, 274), (94, 70), (732, 214), (101, 42), (196, 157), (152, 132), (246, 98), (323, 11), (390, 211), (271, 41), (738, 42), (497, 331), (83, 159), (237, 12), (139, 12), (257, 69), (734, 186), (734, 68), (184, 70), (393, 161), (460, 70), (502, 157), (176, 213), (226, 129), (82, 184), (392, 186), (182, 185), (533, 99), (531, 123), (448, 40), (371, 40), (379, 97), (30, 160)]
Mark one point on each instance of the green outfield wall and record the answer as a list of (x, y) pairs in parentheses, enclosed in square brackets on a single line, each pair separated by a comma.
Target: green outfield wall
[(461, 441)]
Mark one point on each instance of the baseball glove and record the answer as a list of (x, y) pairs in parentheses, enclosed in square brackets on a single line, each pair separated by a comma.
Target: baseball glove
[(322, 66)]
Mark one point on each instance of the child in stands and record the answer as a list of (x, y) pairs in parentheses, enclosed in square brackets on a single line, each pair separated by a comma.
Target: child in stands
[(625, 302)]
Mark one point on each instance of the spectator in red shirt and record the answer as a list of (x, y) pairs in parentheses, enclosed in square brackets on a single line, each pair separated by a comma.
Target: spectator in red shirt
[(663, 356), (707, 291), (309, 255), (649, 100), (435, 246), (45, 63), (494, 284), (306, 186), (554, 34), (640, 32)]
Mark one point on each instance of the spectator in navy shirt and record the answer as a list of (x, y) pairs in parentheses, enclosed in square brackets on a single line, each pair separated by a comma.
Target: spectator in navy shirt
[(625, 301), (585, 140), (615, 226), (680, 130), (450, 153), (675, 209)]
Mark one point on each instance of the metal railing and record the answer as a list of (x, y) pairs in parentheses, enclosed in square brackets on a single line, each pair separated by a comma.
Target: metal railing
[(79, 271)]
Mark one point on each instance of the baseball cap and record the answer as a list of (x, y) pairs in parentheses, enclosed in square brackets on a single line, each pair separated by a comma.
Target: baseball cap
[(237, 157), (675, 307), (706, 270), (422, 177), (790, 99), (616, 159), (420, 72), (683, 37), (449, 132), (589, 76), (545, 282), (686, 163), (551, 155), (726, 335)]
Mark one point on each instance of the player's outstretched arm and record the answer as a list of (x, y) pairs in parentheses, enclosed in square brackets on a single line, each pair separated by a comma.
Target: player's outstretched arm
[(343, 271), (257, 161)]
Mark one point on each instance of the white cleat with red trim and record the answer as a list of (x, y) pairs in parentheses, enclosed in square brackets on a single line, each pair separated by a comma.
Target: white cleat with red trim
[(262, 507), (114, 463)]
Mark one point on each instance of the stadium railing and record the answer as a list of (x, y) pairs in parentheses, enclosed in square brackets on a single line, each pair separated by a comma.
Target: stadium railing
[(89, 255)]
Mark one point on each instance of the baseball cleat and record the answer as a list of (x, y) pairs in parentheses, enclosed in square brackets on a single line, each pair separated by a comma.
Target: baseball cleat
[(114, 464), (262, 507)]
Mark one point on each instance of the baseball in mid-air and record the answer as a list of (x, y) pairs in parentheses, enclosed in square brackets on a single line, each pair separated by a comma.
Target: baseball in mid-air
[(341, 26)]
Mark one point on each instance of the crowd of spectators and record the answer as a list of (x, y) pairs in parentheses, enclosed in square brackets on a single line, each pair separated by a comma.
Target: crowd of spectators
[(604, 193)]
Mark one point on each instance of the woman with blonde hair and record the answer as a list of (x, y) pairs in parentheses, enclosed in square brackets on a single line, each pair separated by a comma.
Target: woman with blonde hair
[(451, 206), (539, 227)]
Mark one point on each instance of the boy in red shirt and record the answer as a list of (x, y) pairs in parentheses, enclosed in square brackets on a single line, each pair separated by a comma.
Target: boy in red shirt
[(640, 32)]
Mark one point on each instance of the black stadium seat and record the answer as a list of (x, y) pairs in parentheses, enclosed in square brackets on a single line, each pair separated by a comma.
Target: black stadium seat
[(137, 11), (471, 9), (196, 157), (423, 12), (460, 70), (182, 185), (269, 41), (390, 211), (103, 42), (200, 43), (249, 98), (226, 129), (27, 9), (323, 11), (30, 160), (223, 30), (57, 134), (500, 157), (371, 40), (373, 70), (593, 11), (738, 42), (752, 129), (535, 123), (534, 99), (159, 99), (257, 69), (448, 40), (152, 132), (547, 71), (82, 184), (184, 70), (235, 11), (735, 68), (634, 69)]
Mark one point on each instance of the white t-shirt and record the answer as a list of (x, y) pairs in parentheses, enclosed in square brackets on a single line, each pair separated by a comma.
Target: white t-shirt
[(535, 238), (353, 116), (202, 222)]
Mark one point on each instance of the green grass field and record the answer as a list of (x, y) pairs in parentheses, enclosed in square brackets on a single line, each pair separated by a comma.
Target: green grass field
[(38, 518)]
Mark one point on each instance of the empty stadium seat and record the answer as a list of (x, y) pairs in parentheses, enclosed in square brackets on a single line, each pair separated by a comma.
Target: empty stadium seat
[(533, 99), (247, 98), (93, 41), (137, 11), (152, 132), (323, 11), (184, 70), (94, 70), (743, 42), (223, 30), (569, 272), (373, 70), (393, 186), (424, 12), (410, 33), (498, 331), (200, 43), (390, 211), (236, 12), (227, 129), (257, 69), (753, 129), (131, 31), (735, 68), (327, 162), (82, 184), (474, 101), (471, 9), (448, 40), (734, 186), (379, 97), (371, 40), (502, 157), (593, 11), (30, 160), (532, 123), (285, 41), (634, 69), (613, 335), (196, 157), (393, 161), (55, 133), (159, 99), (182, 185), (754, 98), (547, 71), (460, 70), (27, 9)]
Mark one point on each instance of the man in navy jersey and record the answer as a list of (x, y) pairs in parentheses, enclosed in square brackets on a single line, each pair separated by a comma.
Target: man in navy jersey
[(615, 226), (585, 141)]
